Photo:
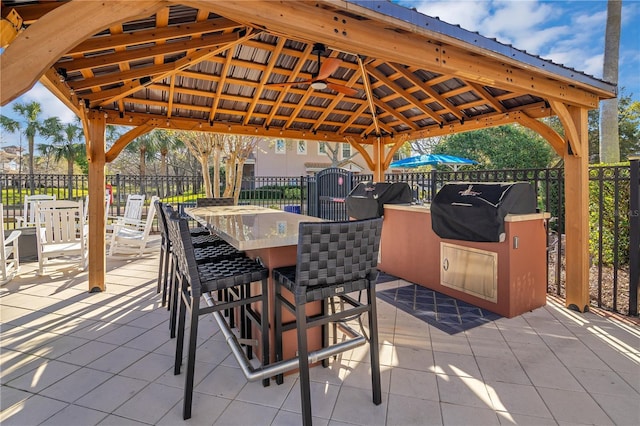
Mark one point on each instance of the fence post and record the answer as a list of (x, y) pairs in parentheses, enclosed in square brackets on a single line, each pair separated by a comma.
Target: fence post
[(634, 234), (119, 200)]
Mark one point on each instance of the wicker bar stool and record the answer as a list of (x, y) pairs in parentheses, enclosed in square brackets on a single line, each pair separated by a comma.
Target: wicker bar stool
[(333, 259), (195, 279), (207, 248)]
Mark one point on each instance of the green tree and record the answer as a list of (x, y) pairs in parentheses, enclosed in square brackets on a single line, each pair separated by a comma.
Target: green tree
[(503, 147), (67, 138), (31, 127)]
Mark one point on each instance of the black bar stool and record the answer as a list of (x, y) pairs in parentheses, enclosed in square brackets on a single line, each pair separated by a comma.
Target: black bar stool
[(333, 259), (193, 280)]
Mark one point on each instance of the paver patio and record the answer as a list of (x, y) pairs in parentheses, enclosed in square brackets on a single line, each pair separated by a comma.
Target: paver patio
[(74, 358)]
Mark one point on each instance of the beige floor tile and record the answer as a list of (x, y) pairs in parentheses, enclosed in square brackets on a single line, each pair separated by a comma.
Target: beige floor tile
[(412, 383), (453, 414), (574, 407), (46, 373), (323, 398), (117, 360), (407, 411), (517, 399), (74, 415), (455, 364), (507, 370), (622, 409), (111, 394), (355, 405), (413, 359), (121, 335), (549, 373), (604, 382), (223, 381), (243, 413), (149, 367), (11, 396), (150, 404), (506, 418), (76, 384), (87, 353), (288, 418), (461, 390), (273, 395), (31, 411), (206, 409)]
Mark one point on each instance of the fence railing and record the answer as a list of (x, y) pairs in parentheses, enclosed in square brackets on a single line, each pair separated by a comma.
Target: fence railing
[(613, 224)]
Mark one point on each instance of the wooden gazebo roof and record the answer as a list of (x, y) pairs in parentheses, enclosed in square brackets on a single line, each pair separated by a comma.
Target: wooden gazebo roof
[(211, 66), (217, 65)]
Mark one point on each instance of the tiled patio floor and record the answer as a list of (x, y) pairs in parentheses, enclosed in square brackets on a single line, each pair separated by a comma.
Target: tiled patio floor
[(73, 358)]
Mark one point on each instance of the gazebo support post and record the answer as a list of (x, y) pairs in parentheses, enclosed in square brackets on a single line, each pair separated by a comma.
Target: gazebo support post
[(97, 124), (378, 160), (576, 181)]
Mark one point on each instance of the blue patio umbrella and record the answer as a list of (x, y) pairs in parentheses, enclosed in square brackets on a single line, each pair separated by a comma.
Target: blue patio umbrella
[(432, 159)]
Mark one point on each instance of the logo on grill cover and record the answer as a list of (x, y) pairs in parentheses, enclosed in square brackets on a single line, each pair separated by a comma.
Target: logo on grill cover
[(469, 192)]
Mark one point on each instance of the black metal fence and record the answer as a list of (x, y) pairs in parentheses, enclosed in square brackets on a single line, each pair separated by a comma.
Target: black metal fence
[(613, 209)]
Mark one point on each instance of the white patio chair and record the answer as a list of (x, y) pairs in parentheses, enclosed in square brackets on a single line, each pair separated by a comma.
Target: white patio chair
[(9, 256), (131, 237), (107, 204), (132, 211), (29, 210), (61, 233)]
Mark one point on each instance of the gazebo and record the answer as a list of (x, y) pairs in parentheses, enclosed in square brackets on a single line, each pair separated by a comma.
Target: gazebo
[(370, 73)]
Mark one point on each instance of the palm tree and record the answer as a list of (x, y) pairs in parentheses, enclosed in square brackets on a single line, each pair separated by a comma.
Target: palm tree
[(609, 133), (30, 128), (64, 145)]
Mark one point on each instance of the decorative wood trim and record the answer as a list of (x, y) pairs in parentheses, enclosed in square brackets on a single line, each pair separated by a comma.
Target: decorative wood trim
[(38, 47), (125, 139)]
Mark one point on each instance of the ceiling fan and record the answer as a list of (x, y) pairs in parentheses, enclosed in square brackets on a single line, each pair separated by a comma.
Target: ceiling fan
[(318, 80)]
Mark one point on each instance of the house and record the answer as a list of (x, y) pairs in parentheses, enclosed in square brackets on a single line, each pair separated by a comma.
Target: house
[(293, 158)]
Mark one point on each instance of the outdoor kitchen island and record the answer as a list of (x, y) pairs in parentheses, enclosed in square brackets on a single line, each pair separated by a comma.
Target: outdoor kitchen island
[(507, 277)]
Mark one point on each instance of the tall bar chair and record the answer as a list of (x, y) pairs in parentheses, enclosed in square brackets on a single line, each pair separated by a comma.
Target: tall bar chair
[(194, 280), (333, 260), (207, 248)]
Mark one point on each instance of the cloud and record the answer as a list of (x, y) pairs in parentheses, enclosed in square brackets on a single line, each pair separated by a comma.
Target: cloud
[(51, 106)]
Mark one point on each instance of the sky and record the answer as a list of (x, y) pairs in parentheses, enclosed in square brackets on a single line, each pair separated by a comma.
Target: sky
[(569, 32)]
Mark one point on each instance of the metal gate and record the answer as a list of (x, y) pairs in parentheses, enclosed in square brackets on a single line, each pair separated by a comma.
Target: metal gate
[(332, 186)]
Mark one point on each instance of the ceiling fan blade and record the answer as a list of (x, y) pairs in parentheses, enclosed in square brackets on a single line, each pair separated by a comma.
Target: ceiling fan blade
[(289, 83), (329, 66), (342, 89)]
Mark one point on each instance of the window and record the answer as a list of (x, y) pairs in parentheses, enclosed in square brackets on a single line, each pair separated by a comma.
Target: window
[(302, 147), (322, 148), (281, 146), (346, 151)]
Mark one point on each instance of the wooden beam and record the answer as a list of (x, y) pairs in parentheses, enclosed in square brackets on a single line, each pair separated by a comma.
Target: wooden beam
[(417, 46), (125, 139), (96, 121), (38, 47), (186, 62), (123, 56), (416, 103), (554, 139), (576, 192), (570, 130), (361, 149), (10, 26), (153, 35)]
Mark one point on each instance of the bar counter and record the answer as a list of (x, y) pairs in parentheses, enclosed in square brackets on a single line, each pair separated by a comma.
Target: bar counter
[(272, 236), (412, 251)]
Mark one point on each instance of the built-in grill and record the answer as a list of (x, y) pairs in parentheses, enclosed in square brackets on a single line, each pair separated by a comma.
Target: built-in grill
[(475, 211), (367, 199)]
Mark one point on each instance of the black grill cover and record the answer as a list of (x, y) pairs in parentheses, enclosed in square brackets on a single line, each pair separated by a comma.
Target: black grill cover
[(475, 211), (367, 199)]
